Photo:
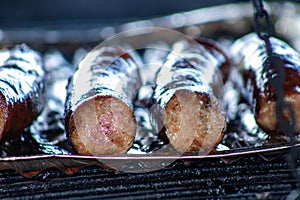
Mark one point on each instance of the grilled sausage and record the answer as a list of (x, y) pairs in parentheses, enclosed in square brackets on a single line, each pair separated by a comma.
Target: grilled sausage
[(250, 55), (22, 79), (186, 88), (99, 113)]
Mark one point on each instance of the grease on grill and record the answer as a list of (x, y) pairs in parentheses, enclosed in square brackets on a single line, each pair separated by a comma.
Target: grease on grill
[(48, 130), (242, 129)]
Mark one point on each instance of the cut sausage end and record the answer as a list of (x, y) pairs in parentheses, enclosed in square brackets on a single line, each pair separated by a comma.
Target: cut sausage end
[(3, 115), (102, 125), (194, 121), (266, 116)]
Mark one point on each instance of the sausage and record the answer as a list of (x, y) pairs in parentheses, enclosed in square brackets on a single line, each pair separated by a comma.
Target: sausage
[(187, 86), (99, 115), (250, 56), (22, 79)]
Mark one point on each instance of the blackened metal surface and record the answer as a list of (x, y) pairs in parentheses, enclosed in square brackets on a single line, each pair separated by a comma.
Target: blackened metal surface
[(249, 178)]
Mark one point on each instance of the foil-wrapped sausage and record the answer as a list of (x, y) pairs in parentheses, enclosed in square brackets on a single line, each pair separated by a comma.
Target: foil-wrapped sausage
[(99, 113), (187, 87), (250, 55), (22, 79)]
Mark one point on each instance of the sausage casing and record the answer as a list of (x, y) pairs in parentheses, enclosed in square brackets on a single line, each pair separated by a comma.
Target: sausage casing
[(22, 79)]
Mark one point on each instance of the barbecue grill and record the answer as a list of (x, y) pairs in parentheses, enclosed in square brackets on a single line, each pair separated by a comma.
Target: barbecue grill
[(32, 167)]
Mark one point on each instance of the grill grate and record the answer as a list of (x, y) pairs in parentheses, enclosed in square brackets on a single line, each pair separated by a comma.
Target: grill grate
[(250, 177)]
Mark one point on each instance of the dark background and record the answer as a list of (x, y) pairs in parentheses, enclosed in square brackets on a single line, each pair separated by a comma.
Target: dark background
[(88, 13)]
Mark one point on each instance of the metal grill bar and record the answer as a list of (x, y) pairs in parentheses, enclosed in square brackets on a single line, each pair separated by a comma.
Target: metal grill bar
[(250, 177)]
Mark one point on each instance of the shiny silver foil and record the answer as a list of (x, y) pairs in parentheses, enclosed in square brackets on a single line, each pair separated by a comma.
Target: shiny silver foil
[(48, 130)]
